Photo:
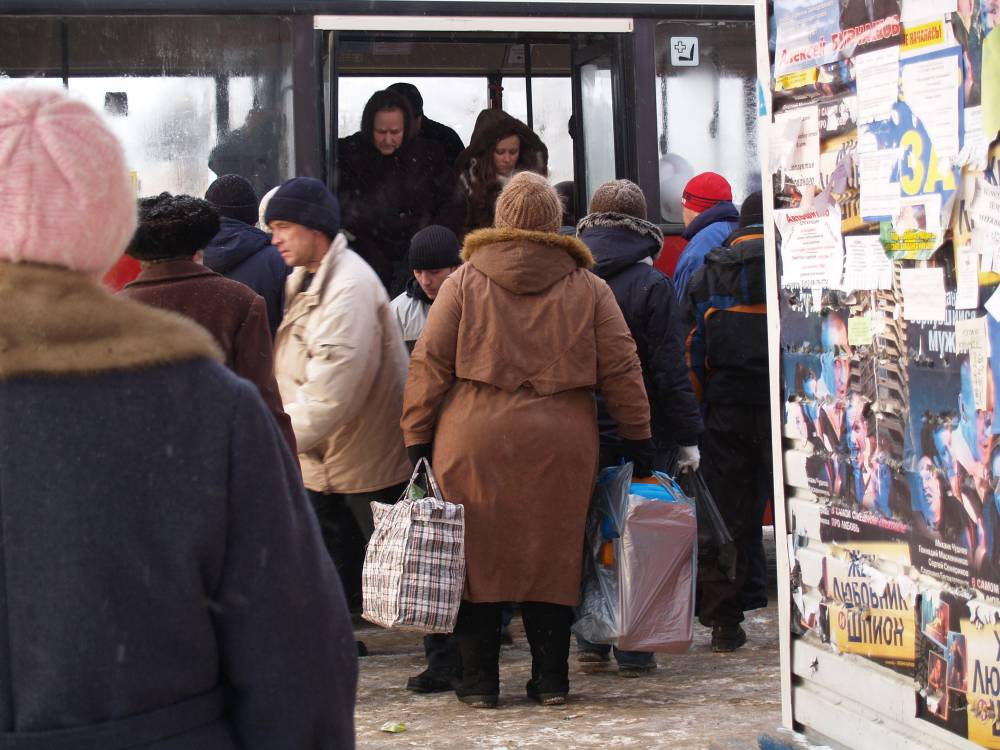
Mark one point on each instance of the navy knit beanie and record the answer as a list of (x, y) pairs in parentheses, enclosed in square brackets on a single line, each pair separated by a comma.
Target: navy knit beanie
[(305, 201), (434, 247), (233, 196)]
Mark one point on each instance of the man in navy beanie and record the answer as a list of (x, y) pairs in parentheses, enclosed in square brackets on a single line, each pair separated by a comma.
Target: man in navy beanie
[(341, 366)]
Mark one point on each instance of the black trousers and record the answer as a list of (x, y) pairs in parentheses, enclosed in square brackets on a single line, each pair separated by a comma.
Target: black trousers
[(477, 633), (736, 462), (345, 521)]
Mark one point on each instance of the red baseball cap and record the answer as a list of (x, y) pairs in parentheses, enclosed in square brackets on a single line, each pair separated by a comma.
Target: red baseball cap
[(705, 190)]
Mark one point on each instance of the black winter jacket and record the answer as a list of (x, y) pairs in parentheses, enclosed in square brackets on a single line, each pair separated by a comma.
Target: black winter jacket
[(244, 253), (726, 306), (623, 248), (385, 200)]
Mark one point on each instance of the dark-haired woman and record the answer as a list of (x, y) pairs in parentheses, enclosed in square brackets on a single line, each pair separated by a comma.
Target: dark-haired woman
[(500, 147), (391, 185)]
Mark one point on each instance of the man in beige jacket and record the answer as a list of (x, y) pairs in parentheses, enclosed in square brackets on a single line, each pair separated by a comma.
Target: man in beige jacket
[(341, 365)]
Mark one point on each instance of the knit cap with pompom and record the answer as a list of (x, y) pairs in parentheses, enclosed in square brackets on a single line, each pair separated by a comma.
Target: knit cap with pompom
[(67, 196), (528, 202)]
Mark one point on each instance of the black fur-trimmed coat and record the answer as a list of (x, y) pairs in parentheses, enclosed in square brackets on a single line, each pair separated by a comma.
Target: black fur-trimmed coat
[(160, 562)]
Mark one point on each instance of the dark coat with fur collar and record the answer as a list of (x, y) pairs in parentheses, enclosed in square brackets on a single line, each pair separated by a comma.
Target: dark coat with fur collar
[(162, 579), (624, 248), (502, 381)]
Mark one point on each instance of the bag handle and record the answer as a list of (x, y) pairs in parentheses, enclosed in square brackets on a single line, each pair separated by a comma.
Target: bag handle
[(429, 473)]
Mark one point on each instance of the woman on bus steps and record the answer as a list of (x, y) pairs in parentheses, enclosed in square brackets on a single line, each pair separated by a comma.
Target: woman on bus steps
[(500, 146), (391, 185)]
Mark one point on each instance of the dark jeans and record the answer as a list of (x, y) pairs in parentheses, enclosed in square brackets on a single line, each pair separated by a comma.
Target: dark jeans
[(624, 658), (736, 463), (477, 633), (345, 521)]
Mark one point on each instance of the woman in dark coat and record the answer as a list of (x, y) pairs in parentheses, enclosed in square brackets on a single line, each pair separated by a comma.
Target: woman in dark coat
[(163, 584), (500, 146), (502, 383), (391, 184)]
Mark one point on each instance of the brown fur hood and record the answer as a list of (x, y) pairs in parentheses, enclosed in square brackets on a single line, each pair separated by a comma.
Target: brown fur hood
[(525, 262), (60, 322)]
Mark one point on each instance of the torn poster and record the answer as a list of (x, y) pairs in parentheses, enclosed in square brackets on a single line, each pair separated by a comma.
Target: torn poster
[(866, 266)]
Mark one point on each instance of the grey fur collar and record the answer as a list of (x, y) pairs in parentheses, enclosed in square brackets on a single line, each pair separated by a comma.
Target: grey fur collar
[(615, 220)]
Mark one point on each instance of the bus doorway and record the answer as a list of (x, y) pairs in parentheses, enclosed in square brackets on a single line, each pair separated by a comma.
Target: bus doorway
[(566, 86)]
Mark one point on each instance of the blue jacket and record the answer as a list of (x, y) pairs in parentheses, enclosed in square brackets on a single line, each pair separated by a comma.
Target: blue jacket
[(244, 253), (708, 230), (163, 582), (623, 248)]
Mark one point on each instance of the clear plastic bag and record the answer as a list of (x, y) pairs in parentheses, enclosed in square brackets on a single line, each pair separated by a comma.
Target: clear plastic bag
[(639, 575)]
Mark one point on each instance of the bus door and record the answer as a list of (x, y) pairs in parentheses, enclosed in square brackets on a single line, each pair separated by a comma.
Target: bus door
[(558, 75)]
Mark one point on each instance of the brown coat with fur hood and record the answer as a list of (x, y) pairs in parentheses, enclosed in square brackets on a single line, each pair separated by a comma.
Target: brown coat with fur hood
[(481, 197), (502, 381)]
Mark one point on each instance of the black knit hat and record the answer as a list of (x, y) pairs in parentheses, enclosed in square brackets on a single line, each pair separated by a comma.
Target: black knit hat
[(233, 196), (305, 201), (752, 210), (172, 226), (434, 247)]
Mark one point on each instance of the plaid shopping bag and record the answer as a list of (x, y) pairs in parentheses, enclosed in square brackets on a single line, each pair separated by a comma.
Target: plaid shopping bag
[(414, 570)]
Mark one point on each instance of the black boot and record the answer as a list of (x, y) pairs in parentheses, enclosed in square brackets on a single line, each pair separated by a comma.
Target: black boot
[(477, 632), (547, 627), (443, 669)]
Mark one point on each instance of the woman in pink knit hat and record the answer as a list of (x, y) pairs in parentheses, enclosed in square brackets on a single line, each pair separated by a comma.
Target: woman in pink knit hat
[(162, 580)]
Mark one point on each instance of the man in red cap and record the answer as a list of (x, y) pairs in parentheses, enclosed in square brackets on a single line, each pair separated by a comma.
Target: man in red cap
[(709, 218)]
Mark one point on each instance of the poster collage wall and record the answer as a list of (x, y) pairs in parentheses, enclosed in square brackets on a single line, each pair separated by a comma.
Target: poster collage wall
[(886, 171)]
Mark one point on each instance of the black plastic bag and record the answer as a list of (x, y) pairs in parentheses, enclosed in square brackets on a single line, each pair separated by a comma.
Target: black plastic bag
[(715, 544)]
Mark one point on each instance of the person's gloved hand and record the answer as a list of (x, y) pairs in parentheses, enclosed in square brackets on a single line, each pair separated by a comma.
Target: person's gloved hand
[(421, 450), (641, 454), (689, 459)]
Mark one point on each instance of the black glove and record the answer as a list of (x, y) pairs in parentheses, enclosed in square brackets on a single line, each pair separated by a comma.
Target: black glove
[(422, 450), (641, 453)]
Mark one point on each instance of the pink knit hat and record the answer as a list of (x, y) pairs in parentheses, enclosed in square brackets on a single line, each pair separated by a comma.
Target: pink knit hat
[(65, 195)]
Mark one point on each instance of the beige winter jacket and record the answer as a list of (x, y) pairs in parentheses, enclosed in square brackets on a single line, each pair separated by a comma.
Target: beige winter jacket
[(341, 367)]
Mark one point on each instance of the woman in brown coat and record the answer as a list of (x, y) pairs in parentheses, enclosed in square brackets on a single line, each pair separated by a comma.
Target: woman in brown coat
[(500, 146), (501, 396)]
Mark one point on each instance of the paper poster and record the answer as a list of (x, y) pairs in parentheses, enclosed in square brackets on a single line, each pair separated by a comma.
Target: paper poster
[(915, 11), (972, 338), (985, 214), (859, 331), (931, 86), (805, 29), (923, 294), (812, 249), (878, 83), (975, 149), (915, 232), (799, 153), (993, 305), (923, 36), (866, 266), (880, 189), (967, 272)]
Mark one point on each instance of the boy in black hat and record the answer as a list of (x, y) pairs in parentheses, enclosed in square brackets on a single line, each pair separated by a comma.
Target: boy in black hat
[(433, 255)]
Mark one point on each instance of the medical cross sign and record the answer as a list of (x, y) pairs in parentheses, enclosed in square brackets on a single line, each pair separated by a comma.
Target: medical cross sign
[(684, 50)]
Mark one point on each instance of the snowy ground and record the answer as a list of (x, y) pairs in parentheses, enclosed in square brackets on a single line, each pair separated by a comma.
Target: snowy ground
[(698, 700)]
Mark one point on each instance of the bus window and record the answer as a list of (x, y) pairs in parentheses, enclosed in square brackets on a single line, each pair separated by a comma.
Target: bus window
[(551, 108), (190, 97), (706, 107)]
